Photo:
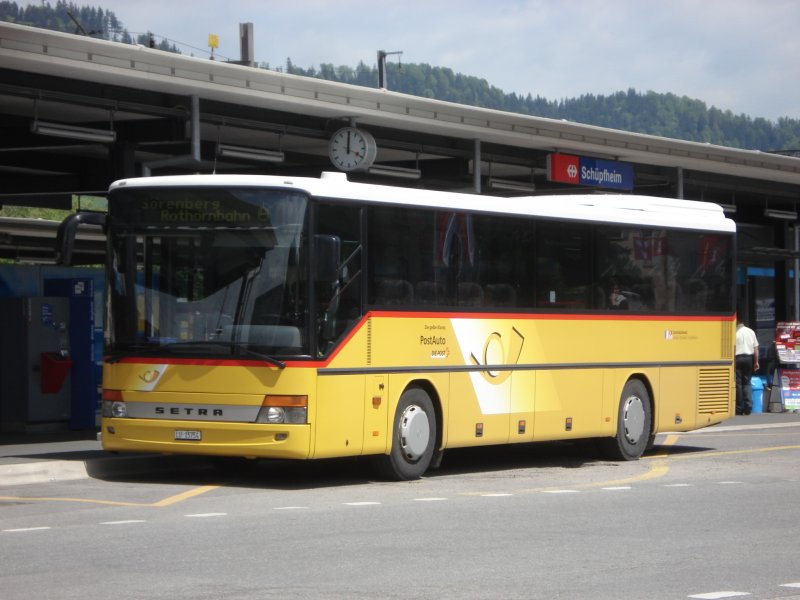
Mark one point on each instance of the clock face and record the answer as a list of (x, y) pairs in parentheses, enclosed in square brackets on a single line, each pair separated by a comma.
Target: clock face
[(352, 149)]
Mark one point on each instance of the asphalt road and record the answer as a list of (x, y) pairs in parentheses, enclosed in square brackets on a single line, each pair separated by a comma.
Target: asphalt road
[(710, 514)]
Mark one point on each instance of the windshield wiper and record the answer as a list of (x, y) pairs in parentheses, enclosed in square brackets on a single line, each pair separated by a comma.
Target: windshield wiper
[(195, 347), (266, 358), (118, 354), (232, 347)]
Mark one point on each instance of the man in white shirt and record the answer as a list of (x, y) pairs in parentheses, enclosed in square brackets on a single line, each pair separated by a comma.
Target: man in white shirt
[(746, 365)]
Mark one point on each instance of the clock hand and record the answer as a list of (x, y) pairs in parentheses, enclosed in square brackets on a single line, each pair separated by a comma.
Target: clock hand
[(348, 142)]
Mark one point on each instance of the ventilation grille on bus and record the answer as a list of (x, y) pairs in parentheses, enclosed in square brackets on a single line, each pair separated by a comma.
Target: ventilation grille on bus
[(713, 391), (727, 340), (369, 341)]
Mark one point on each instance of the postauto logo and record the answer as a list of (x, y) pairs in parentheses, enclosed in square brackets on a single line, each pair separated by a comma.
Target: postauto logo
[(580, 170)]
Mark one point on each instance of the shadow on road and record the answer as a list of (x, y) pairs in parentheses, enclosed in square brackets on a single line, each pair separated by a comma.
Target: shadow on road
[(295, 475)]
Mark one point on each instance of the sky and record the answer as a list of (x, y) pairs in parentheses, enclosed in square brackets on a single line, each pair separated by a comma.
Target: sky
[(737, 55)]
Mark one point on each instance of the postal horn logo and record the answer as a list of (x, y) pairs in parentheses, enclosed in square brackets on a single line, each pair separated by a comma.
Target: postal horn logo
[(495, 354), (150, 375)]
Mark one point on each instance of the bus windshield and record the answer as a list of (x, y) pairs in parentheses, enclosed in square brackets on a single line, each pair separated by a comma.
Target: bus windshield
[(212, 271)]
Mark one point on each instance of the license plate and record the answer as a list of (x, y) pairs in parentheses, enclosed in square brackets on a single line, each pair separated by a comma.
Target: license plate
[(193, 436)]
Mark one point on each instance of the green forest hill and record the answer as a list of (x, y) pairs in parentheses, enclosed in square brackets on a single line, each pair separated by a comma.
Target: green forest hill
[(664, 115)]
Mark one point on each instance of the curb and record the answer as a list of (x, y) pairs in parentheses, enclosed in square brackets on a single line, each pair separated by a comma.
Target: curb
[(51, 471), (41, 472)]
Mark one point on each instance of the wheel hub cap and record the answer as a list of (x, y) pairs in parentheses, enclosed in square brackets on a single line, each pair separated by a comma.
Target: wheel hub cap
[(633, 419), (414, 432)]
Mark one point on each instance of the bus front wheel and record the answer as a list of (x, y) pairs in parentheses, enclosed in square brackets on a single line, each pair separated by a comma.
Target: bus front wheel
[(413, 438), (633, 423)]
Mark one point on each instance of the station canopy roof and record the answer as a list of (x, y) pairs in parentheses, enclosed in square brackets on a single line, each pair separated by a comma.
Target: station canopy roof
[(76, 113)]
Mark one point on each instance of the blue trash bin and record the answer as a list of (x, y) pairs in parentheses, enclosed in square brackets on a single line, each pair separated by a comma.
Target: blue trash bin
[(758, 394)]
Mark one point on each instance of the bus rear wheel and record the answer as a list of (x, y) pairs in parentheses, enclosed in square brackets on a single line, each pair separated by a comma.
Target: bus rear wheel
[(413, 438), (633, 423)]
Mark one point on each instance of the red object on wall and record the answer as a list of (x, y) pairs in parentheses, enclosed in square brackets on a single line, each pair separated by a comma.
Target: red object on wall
[(55, 369)]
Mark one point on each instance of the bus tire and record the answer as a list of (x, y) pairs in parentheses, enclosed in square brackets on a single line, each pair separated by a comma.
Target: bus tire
[(633, 423), (413, 438)]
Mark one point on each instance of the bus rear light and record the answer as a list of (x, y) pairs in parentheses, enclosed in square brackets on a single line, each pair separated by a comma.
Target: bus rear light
[(283, 409)]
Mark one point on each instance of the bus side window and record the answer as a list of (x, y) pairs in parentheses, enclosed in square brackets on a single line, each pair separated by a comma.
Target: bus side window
[(504, 248), (563, 278), (401, 258), (703, 270), (339, 297), (631, 268)]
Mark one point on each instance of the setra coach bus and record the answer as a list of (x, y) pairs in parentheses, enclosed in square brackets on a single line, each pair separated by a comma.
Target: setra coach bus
[(306, 318)]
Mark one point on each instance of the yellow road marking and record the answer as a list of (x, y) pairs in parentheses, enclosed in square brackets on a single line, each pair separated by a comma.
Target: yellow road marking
[(657, 468), (185, 495), (732, 452), (772, 433), (83, 500), (670, 440), (658, 465), (161, 503)]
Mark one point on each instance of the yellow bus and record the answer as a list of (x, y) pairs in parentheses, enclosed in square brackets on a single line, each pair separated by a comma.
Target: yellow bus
[(307, 318)]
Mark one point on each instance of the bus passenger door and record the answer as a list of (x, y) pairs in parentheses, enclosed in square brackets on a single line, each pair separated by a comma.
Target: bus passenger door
[(376, 419), (339, 422)]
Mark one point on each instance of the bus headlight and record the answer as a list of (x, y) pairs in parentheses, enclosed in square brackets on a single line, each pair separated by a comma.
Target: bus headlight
[(116, 409), (283, 409), (275, 414), (113, 405)]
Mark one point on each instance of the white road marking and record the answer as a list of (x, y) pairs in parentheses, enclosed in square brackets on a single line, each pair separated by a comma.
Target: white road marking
[(495, 495), (204, 515), (729, 482), (429, 499), (24, 529), (718, 595), (618, 487), (290, 508), (561, 491), (361, 503), (791, 585), (123, 522), (677, 485), (716, 429)]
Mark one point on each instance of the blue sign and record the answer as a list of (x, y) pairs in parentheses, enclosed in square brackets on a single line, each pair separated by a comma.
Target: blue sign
[(606, 173), (580, 170)]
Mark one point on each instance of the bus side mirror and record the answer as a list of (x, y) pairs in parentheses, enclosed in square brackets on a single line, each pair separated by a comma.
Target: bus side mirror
[(68, 228), (327, 250)]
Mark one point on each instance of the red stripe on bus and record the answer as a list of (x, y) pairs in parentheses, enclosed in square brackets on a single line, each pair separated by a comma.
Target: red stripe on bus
[(316, 364), (548, 316)]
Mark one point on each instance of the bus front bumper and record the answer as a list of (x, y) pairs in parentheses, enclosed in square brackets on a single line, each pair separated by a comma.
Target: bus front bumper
[(205, 438)]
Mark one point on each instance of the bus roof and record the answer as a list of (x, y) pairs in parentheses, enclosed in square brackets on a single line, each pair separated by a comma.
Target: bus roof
[(612, 208)]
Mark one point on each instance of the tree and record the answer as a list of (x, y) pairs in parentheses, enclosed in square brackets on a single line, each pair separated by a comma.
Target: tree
[(651, 113)]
